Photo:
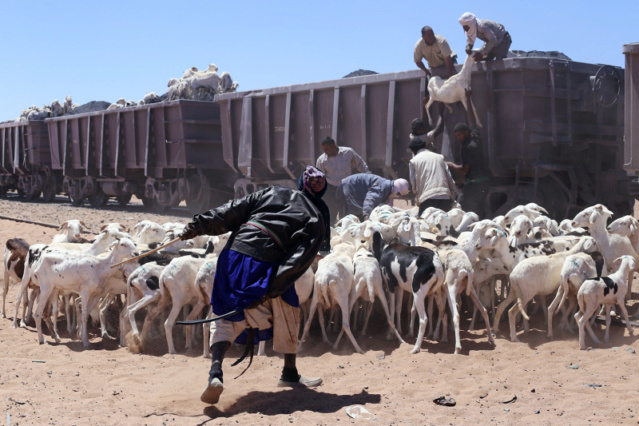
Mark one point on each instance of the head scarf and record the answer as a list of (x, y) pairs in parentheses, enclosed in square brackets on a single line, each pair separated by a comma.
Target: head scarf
[(470, 20), (303, 184), (400, 186)]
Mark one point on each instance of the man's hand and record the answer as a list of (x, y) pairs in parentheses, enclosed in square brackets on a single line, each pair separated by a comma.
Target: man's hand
[(428, 74), (478, 56), (469, 93), (189, 232), (469, 49)]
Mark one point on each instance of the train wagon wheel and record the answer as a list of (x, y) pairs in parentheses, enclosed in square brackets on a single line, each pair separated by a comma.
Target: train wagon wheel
[(153, 205), (124, 199), (76, 201), (48, 194), (198, 194), (98, 198), (33, 195)]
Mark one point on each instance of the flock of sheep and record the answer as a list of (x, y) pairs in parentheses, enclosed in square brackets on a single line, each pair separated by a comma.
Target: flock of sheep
[(194, 85), (434, 259)]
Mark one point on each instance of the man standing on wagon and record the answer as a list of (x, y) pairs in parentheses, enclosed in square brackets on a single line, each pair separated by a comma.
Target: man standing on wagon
[(276, 234), (497, 40)]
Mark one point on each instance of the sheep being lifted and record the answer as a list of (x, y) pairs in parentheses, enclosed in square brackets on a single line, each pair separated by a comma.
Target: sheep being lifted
[(200, 85), (452, 90)]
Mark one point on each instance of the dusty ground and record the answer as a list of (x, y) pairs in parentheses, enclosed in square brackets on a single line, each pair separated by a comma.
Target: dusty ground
[(106, 384)]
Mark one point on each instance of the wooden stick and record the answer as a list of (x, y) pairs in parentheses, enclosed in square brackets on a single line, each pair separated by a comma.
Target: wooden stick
[(147, 253)]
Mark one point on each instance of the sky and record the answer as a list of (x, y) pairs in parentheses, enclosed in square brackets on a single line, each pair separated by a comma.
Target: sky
[(124, 49)]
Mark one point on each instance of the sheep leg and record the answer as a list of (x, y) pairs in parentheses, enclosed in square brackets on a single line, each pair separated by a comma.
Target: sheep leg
[(368, 310), (168, 325), (343, 304), (103, 305), (501, 308), (608, 319), (54, 324), (22, 294), (442, 319), (44, 297), (588, 315), (399, 296), (431, 99), (512, 320), (379, 291), (472, 104), (150, 317), (430, 315), (579, 317), (553, 307), (391, 306), (5, 291), (88, 304), (132, 309), (418, 301), (484, 313), (206, 332), (624, 313), (197, 310), (411, 324), (312, 310), (322, 322), (452, 303), (34, 294), (261, 348), (67, 313)]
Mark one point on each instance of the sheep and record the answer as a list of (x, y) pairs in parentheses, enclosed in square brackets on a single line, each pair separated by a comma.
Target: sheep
[(78, 273), (72, 231), (15, 253), (333, 282), (612, 246), (148, 232), (458, 277), (577, 268), (538, 276), (626, 226), (367, 283), (415, 269), (452, 90), (520, 230), (608, 291)]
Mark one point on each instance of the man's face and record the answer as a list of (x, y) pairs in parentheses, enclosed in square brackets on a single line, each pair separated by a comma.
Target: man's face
[(466, 28), (429, 37), (461, 136), (330, 149), (317, 184)]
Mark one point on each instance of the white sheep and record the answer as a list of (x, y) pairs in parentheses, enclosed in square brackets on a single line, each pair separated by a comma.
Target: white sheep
[(71, 231), (608, 291), (452, 90), (538, 276)]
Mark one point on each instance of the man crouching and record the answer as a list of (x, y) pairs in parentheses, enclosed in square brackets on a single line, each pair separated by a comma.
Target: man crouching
[(276, 234)]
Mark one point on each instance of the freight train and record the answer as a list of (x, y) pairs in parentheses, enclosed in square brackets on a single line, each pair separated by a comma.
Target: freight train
[(553, 133)]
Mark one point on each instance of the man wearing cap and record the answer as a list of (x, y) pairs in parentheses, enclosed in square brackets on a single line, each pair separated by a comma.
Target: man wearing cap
[(430, 178), (475, 190), (496, 38), (360, 193), (337, 162), (434, 48), (276, 234)]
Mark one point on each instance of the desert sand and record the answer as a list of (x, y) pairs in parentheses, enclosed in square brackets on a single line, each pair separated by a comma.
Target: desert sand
[(64, 384)]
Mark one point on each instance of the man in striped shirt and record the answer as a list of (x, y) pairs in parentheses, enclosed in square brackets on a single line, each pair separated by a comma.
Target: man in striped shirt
[(337, 163)]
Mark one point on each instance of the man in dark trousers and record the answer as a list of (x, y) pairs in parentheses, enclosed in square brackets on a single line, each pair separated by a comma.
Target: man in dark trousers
[(474, 194), (360, 193), (276, 234)]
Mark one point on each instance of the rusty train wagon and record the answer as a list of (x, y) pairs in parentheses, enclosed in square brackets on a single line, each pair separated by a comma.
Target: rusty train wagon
[(163, 153), (552, 130), (631, 155), (25, 162)]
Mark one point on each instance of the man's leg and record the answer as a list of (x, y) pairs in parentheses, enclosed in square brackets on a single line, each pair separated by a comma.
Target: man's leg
[(286, 326), (223, 332), (211, 394)]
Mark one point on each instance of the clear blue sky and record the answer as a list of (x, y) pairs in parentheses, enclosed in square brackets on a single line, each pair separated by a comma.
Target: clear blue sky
[(112, 49)]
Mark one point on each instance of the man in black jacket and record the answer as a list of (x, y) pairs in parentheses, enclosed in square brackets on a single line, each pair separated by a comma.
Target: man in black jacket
[(276, 234)]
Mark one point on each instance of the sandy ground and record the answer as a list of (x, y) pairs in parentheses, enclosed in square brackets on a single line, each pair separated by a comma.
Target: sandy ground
[(106, 384)]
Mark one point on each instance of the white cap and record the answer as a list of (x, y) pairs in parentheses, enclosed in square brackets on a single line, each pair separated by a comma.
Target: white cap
[(401, 186)]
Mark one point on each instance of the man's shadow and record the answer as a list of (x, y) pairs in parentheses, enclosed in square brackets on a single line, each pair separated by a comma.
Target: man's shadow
[(289, 401)]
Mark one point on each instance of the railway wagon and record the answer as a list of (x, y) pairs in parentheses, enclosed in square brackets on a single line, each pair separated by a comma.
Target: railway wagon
[(552, 130), (25, 163), (631, 152), (163, 153)]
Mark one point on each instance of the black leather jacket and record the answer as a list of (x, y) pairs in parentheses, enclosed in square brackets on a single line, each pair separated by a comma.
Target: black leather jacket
[(274, 225)]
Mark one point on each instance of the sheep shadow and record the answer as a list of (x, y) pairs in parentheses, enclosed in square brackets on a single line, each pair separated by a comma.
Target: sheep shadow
[(290, 401)]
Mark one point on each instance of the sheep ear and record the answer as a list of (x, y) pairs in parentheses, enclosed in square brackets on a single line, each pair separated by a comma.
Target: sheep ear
[(102, 228), (63, 226), (593, 215), (83, 225)]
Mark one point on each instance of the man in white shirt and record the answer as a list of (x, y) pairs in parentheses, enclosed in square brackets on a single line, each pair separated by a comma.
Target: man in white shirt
[(337, 163)]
